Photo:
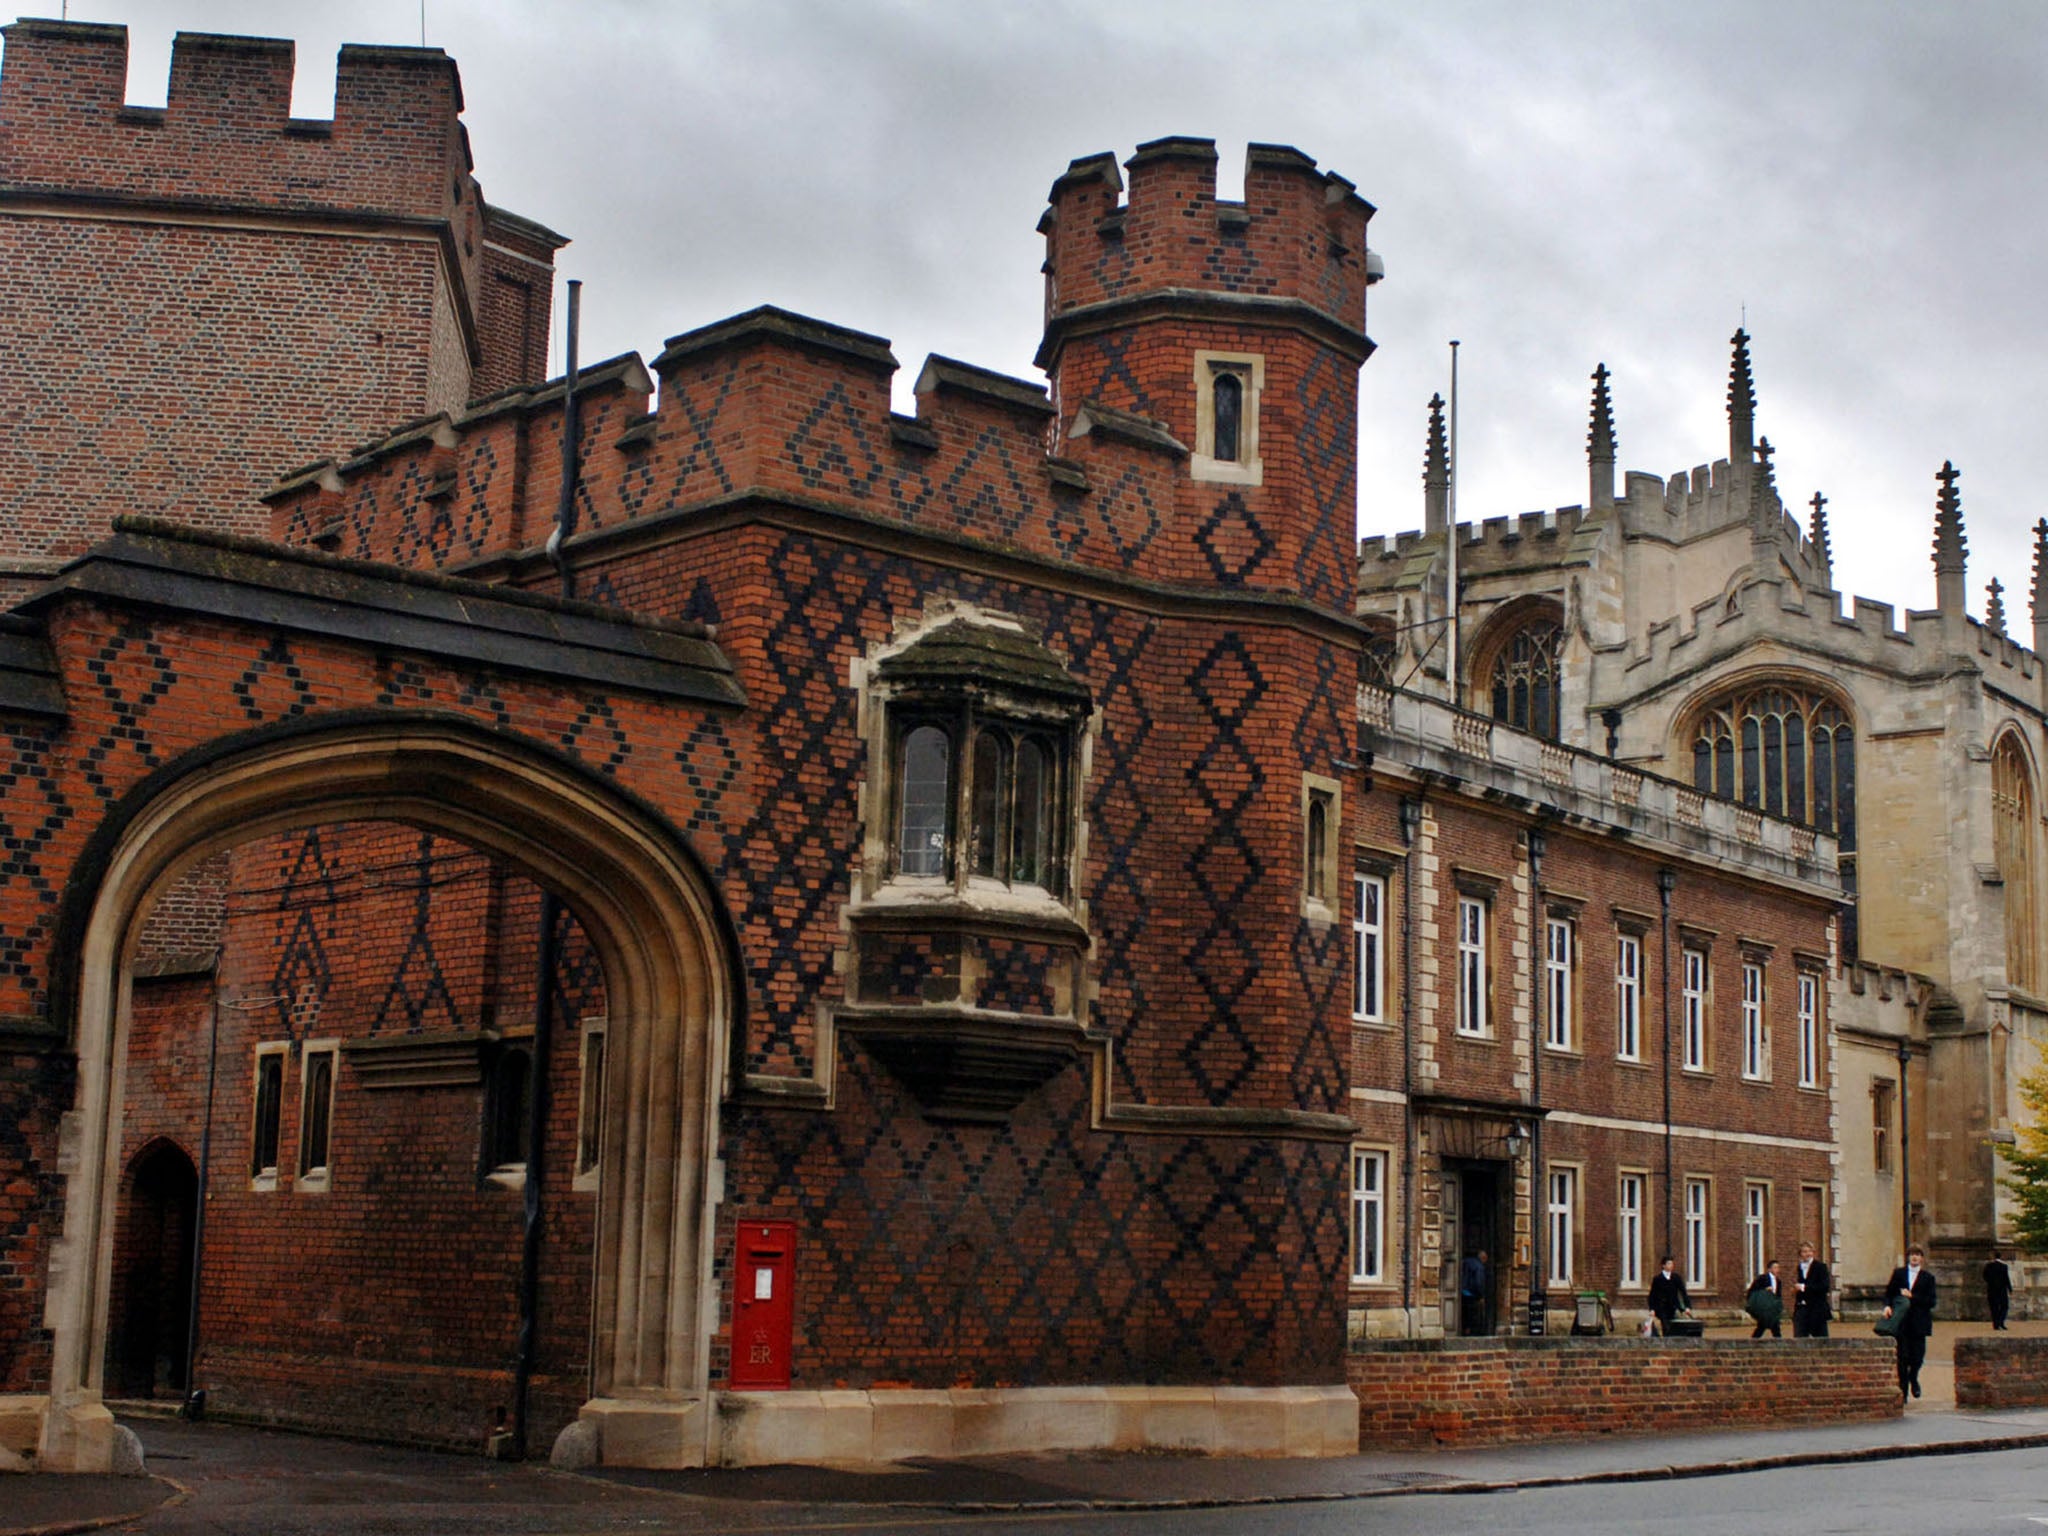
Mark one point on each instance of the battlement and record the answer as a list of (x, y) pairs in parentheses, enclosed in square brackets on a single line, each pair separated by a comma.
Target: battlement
[(226, 137), (1558, 536), (1868, 635), (766, 404), (1298, 234)]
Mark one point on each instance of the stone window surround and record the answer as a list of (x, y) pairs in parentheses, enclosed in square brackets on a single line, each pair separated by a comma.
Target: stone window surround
[(1383, 1156), (1247, 468), (265, 1176), (317, 1179), (1644, 1268), (1323, 863)]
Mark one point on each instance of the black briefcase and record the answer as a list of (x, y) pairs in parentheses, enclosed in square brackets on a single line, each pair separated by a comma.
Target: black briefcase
[(1685, 1328)]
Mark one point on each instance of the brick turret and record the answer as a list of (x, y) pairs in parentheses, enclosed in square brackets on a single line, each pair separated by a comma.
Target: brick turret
[(198, 293), (1173, 305)]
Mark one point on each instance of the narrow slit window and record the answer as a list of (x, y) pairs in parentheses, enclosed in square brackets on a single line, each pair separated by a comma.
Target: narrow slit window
[(316, 1115), (1226, 394), (269, 1114)]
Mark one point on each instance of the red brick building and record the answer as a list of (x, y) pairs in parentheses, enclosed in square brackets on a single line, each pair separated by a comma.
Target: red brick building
[(949, 1035)]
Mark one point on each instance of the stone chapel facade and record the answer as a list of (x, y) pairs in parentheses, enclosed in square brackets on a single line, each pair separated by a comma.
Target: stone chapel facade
[(1690, 627)]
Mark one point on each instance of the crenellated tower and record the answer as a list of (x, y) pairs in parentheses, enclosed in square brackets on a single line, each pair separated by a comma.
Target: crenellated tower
[(1239, 326), (196, 295)]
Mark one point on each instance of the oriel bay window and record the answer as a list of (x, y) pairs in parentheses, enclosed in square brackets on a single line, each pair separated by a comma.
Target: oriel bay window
[(982, 730), (969, 941), (980, 797)]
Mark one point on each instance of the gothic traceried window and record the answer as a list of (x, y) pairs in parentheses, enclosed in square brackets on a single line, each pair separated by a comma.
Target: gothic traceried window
[(1523, 680), (2012, 820), (1787, 750), (1376, 662), (1783, 749)]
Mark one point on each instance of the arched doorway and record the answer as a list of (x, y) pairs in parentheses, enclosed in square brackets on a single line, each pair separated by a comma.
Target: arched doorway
[(650, 912), (151, 1304)]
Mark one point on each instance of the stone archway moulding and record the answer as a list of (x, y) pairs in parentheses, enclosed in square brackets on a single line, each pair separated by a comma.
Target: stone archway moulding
[(657, 924)]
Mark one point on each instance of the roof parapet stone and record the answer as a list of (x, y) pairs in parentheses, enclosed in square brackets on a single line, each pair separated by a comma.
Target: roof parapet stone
[(946, 374), (1094, 419), (777, 326)]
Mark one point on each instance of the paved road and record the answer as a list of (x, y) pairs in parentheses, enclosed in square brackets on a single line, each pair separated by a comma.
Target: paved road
[(246, 1484)]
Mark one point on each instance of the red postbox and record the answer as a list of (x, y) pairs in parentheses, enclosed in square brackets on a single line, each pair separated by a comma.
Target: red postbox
[(763, 1304)]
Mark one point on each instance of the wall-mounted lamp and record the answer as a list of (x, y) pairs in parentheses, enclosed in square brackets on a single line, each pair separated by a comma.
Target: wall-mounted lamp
[(1517, 1138), (1667, 880)]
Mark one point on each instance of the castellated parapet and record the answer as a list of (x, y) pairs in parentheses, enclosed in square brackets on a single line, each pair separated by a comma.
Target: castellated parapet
[(197, 292), (770, 405)]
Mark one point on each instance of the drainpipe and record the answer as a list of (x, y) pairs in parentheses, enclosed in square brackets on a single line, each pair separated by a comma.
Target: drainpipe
[(1905, 1152), (195, 1400), (1667, 882), (528, 1347), (1539, 1194), (1411, 825)]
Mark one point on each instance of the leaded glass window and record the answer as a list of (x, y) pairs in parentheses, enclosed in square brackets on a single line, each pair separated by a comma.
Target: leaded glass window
[(2012, 822), (1525, 675)]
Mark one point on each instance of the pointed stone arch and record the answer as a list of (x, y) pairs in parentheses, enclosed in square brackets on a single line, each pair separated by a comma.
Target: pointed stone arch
[(1517, 673), (2015, 831), (651, 912)]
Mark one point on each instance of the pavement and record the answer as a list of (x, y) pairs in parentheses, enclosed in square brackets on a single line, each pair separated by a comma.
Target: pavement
[(216, 1477)]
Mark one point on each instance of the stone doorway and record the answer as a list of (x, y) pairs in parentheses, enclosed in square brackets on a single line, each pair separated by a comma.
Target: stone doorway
[(1472, 1225)]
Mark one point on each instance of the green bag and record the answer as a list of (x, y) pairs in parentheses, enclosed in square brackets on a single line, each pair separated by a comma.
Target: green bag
[(1765, 1306), (1891, 1327)]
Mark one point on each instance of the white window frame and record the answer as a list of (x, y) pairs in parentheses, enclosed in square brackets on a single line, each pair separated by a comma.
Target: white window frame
[(1560, 963), (1756, 1225), (1472, 922), (1368, 1216), (317, 1177), (1630, 1216), (1561, 1207), (1695, 979), (1756, 1028), (1699, 1247), (590, 1102), (1628, 997), (1369, 949), (1809, 1030)]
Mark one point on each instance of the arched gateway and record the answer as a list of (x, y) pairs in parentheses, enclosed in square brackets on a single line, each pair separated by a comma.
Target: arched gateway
[(649, 910)]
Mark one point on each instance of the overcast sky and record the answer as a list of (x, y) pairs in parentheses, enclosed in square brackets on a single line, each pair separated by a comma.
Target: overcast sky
[(1558, 185)]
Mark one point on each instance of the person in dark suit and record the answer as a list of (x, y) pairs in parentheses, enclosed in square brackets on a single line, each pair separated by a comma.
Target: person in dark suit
[(1912, 1287), (1475, 1291), (1769, 1281), (1997, 1289), (1667, 1294), (1811, 1308)]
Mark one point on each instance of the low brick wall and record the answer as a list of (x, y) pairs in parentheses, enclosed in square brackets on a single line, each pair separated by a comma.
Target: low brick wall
[(2002, 1372), (1418, 1393)]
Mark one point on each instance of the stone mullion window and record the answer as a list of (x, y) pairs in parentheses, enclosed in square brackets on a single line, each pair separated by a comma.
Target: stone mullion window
[(1525, 677), (2012, 824), (1781, 749)]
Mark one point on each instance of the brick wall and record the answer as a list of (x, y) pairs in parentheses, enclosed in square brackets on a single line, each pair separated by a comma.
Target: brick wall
[(2002, 1372), (1463, 1391), (168, 360)]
